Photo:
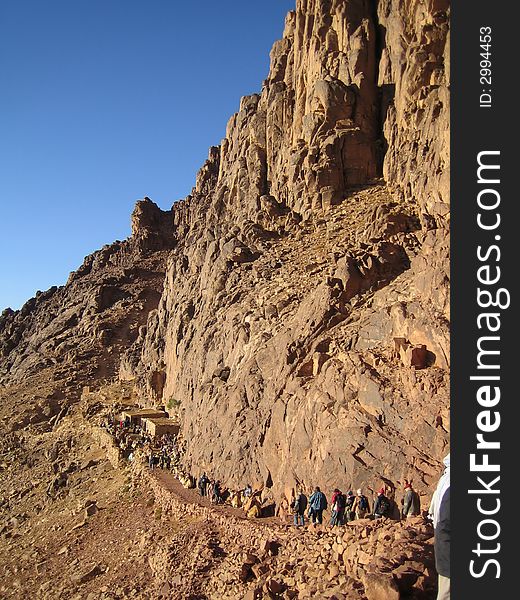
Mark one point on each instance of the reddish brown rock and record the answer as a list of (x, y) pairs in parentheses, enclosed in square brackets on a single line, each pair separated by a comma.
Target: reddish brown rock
[(380, 587), (263, 309)]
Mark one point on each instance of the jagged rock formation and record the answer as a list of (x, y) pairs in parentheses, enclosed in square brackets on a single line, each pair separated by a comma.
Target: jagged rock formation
[(74, 335), (301, 318), (298, 312)]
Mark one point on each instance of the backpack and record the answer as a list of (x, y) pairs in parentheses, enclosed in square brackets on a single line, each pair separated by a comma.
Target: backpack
[(340, 502), (349, 502), (300, 504), (384, 505), (363, 503)]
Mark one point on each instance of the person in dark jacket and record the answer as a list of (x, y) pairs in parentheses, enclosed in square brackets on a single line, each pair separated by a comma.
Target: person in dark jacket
[(442, 547), (216, 496), (337, 503), (317, 504), (382, 504), (299, 506), (350, 513), (203, 482)]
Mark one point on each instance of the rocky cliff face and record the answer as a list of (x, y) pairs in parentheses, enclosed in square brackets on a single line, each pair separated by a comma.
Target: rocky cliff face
[(304, 321), (72, 336), (301, 319)]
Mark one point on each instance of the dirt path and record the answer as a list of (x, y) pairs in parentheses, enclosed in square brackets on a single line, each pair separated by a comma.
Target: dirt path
[(192, 496)]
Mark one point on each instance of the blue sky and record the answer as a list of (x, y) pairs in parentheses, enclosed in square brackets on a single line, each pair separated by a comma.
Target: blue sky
[(103, 102)]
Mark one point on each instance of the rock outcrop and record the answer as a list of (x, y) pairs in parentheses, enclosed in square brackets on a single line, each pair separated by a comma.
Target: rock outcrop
[(295, 307), (304, 323), (73, 335)]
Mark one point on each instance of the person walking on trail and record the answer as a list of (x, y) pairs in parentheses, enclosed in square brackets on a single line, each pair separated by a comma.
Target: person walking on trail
[(202, 483), (439, 513), (382, 505), (216, 497), (337, 507), (350, 513), (299, 505), (411, 501), (341, 504), (317, 504), (209, 490), (360, 507)]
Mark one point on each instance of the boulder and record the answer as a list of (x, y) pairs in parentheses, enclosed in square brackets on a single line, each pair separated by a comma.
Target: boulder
[(379, 586)]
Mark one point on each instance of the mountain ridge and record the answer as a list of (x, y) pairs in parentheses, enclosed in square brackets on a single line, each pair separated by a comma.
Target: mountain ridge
[(293, 311)]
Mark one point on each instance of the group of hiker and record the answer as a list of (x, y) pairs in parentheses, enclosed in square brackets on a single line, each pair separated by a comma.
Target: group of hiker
[(348, 507), (161, 452), (128, 438), (210, 489), (165, 453), (219, 495)]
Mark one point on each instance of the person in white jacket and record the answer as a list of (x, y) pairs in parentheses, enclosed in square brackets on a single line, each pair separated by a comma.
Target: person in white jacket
[(439, 513)]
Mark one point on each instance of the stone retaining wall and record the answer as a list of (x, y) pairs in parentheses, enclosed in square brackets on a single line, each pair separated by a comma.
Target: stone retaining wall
[(106, 442), (250, 533)]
